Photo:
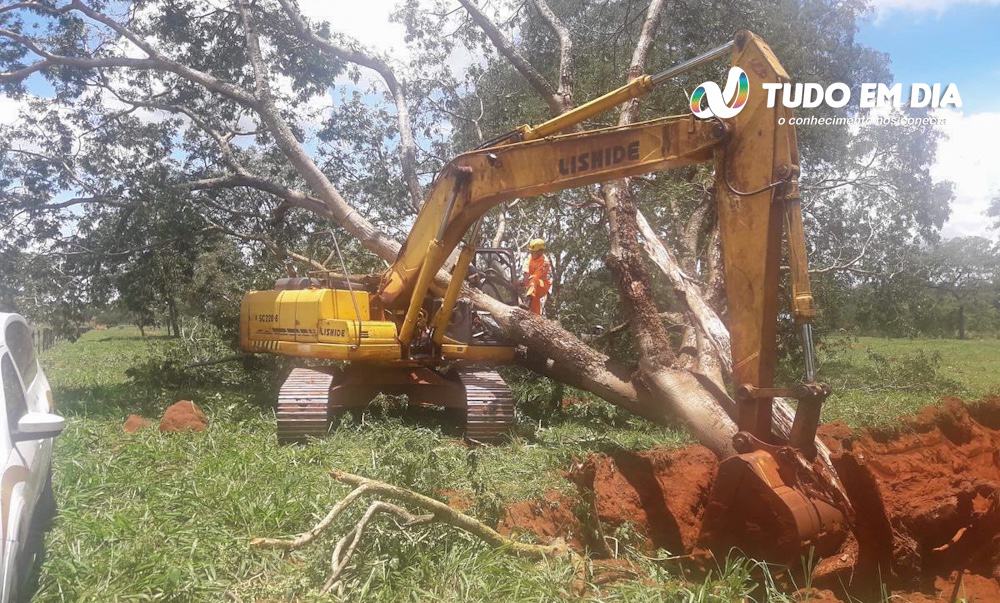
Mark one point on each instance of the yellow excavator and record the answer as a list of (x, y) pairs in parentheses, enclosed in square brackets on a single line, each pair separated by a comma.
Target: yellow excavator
[(393, 335)]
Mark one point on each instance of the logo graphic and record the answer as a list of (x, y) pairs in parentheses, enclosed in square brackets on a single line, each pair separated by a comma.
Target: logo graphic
[(722, 103)]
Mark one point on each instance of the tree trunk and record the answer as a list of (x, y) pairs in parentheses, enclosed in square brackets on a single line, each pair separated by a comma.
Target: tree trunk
[(674, 388), (172, 318), (961, 321)]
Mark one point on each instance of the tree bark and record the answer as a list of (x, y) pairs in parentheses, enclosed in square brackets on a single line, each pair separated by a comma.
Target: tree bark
[(688, 291), (172, 318)]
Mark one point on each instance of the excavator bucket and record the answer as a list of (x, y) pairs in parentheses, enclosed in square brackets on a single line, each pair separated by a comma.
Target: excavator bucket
[(768, 505)]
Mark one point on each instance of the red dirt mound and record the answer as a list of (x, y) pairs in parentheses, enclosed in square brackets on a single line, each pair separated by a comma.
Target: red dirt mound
[(549, 518), (926, 498), (183, 416), (661, 492), (134, 423)]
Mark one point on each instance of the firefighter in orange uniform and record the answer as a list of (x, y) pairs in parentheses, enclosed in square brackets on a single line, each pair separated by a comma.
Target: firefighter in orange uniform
[(537, 276)]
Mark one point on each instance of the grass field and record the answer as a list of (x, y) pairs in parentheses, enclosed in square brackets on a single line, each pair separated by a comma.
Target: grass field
[(157, 516), (877, 380)]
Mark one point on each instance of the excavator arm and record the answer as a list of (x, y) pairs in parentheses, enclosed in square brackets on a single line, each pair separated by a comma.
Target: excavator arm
[(756, 191), (474, 183)]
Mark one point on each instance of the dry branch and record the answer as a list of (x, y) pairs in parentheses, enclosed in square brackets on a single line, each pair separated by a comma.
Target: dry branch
[(447, 515), (309, 535), (341, 557), (435, 511)]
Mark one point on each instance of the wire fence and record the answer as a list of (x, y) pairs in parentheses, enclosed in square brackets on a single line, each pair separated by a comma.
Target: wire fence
[(43, 338)]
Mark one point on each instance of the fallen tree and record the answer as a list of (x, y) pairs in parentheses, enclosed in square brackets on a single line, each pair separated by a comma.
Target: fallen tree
[(662, 388)]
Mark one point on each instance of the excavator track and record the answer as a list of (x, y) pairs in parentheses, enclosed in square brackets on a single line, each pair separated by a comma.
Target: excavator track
[(306, 405), (489, 406), (303, 409)]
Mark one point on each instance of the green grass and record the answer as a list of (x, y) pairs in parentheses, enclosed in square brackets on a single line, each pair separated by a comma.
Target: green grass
[(877, 380), (168, 517)]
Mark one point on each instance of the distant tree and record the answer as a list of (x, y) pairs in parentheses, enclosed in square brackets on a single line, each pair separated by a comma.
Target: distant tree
[(44, 289), (963, 268)]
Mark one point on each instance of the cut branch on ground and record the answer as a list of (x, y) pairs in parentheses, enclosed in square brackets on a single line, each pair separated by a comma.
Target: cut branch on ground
[(432, 511)]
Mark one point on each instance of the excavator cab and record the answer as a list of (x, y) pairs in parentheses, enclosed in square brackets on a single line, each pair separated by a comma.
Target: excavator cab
[(494, 271)]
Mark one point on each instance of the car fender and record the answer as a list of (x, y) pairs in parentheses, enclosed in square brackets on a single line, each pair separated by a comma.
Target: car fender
[(12, 507)]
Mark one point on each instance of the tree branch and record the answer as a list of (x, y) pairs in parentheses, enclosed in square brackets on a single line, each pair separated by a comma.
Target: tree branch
[(437, 511), (835, 267), (646, 36), (154, 62), (566, 67), (275, 248), (336, 206), (311, 534), (506, 48), (407, 143), (445, 514)]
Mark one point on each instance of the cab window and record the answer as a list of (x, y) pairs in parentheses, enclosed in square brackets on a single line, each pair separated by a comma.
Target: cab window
[(18, 337), (12, 393)]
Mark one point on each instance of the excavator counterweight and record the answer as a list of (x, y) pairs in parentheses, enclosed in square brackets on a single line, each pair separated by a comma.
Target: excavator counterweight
[(398, 336)]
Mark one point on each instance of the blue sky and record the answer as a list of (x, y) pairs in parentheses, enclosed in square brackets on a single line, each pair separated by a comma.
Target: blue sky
[(954, 43)]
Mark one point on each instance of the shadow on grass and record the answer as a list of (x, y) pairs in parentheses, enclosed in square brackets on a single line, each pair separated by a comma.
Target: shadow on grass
[(136, 397), (449, 421), (131, 337)]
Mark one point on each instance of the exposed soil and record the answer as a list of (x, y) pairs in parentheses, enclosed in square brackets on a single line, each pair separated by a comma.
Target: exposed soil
[(570, 401), (549, 519), (926, 498), (927, 501), (661, 492), (134, 423), (183, 416)]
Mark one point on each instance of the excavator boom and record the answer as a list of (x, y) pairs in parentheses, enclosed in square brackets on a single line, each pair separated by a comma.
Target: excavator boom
[(475, 182)]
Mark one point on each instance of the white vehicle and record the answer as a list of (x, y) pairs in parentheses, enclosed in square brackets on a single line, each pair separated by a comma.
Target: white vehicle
[(28, 426)]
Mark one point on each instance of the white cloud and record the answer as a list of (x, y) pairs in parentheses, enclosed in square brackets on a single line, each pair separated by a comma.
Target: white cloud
[(935, 6), (969, 159), (10, 110), (366, 21)]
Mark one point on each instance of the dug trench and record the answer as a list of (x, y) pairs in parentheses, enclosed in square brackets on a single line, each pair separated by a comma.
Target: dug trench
[(926, 497)]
